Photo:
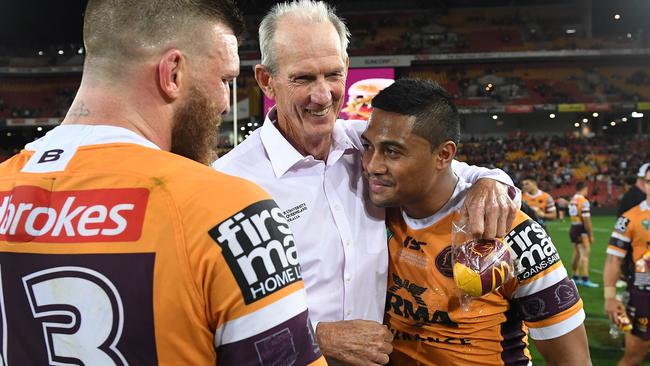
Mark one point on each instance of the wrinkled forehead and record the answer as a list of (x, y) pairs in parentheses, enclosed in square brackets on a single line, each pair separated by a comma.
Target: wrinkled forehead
[(297, 39)]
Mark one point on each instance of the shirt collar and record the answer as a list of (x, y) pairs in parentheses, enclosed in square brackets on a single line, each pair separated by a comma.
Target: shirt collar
[(539, 192), (284, 156), (281, 153)]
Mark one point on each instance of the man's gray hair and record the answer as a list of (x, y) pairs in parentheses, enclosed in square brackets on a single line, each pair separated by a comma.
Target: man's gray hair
[(308, 11)]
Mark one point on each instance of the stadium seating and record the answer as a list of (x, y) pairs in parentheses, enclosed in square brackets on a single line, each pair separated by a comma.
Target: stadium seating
[(559, 162)]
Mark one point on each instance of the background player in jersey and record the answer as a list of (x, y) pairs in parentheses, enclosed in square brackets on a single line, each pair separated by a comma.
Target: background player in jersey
[(581, 234), (538, 200), (409, 144), (114, 251), (631, 235)]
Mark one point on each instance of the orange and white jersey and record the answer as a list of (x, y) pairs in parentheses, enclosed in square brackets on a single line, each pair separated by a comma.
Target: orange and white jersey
[(632, 233), (423, 308), (541, 200), (579, 209), (113, 252)]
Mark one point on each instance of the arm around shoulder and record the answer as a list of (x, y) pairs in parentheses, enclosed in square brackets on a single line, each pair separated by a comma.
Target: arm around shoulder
[(472, 173)]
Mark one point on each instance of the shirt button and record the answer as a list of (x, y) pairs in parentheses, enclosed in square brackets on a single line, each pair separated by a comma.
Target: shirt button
[(337, 207), (349, 312), (348, 242), (347, 279)]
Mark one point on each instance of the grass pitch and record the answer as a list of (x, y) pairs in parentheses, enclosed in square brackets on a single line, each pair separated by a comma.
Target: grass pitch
[(604, 350)]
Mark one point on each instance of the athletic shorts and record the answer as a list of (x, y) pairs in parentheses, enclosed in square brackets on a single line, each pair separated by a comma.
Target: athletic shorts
[(638, 310), (579, 235)]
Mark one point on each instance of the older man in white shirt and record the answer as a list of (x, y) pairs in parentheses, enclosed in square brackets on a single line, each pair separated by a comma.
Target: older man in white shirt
[(310, 163)]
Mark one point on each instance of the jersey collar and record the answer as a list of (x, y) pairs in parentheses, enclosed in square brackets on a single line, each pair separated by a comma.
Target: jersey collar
[(91, 135)]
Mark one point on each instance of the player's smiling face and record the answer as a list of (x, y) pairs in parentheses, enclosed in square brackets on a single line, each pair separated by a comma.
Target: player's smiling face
[(397, 163)]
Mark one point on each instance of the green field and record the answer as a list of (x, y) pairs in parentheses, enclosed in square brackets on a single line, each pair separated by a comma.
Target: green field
[(604, 350)]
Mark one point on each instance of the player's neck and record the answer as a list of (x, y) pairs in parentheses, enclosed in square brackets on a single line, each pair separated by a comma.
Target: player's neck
[(100, 105), (435, 197)]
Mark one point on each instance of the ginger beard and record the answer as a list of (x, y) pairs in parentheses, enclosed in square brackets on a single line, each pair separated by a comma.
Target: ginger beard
[(195, 129)]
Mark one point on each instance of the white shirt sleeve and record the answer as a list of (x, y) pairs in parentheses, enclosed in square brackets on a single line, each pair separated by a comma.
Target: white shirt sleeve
[(472, 173)]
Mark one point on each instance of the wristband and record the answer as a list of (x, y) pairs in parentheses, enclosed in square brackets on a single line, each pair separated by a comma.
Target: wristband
[(610, 292)]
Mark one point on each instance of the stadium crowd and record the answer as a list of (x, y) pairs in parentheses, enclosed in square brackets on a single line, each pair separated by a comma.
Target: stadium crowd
[(605, 162)]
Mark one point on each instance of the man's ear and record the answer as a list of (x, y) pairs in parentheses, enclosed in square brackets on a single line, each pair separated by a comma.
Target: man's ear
[(446, 153), (264, 80), (171, 73)]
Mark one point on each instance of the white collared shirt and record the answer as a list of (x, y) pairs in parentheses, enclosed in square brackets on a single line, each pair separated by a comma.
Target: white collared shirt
[(339, 233)]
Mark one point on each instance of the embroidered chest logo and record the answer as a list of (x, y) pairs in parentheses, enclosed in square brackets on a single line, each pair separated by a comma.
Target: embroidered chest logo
[(294, 212), (443, 262), (413, 244)]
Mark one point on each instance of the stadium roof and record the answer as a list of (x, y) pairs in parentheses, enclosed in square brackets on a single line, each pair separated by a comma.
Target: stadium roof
[(37, 22)]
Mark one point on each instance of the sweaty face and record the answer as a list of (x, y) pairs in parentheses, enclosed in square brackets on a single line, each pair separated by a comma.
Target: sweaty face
[(397, 163), (309, 83), (196, 125)]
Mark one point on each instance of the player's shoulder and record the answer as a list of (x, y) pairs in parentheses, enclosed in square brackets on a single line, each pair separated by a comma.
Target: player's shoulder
[(15, 163), (185, 179), (210, 183), (520, 218), (532, 245), (352, 129), (637, 211)]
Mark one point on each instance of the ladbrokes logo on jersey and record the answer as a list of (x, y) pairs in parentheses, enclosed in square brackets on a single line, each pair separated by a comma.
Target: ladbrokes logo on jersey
[(259, 249), (29, 213), (534, 248)]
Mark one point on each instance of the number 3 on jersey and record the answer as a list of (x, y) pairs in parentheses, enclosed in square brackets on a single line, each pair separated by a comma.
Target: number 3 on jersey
[(65, 310), (94, 307)]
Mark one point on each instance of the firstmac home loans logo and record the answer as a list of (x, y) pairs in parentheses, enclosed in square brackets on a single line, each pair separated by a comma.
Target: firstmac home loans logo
[(259, 249)]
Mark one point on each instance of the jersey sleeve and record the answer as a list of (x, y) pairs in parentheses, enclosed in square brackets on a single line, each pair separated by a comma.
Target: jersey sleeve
[(586, 209), (547, 300), (247, 273), (550, 204), (621, 240)]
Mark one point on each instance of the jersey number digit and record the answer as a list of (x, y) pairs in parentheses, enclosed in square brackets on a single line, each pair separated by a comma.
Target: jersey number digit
[(573, 210), (81, 313)]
